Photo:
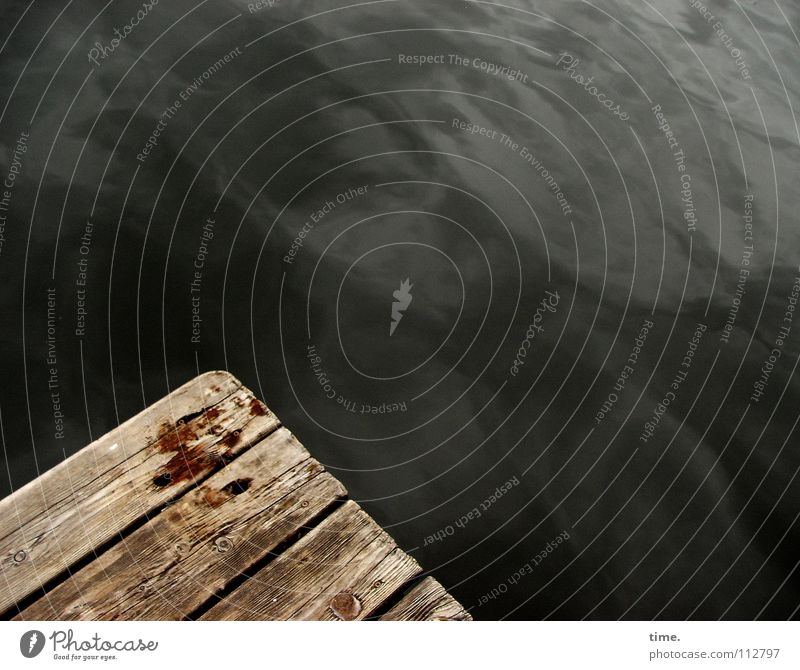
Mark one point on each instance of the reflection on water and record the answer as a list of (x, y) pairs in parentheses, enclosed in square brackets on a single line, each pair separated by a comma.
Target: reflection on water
[(522, 276)]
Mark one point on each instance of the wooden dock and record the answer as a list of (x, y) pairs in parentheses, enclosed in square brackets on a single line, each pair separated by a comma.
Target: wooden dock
[(203, 507)]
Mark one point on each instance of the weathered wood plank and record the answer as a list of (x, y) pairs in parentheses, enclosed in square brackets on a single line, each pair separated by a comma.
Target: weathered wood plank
[(427, 601), (64, 515), (344, 569), (167, 514), (170, 566)]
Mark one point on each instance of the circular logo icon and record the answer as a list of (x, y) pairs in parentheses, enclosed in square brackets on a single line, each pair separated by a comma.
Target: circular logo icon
[(31, 643)]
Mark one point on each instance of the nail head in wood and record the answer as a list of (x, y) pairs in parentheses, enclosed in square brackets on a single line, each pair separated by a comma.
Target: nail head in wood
[(345, 606)]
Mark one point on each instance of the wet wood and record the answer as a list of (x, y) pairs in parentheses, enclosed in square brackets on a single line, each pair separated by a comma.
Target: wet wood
[(202, 506), (428, 601)]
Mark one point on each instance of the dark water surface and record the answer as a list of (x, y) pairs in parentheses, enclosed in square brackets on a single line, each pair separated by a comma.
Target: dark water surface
[(588, 405)]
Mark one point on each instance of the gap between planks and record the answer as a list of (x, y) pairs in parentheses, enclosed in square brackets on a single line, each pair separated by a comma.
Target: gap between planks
[(196, 505)]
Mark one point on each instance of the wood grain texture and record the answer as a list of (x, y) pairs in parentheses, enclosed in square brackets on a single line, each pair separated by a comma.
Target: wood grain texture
[(202, 505), (427, 601), (174, 563), (87, 500), (344, 569)]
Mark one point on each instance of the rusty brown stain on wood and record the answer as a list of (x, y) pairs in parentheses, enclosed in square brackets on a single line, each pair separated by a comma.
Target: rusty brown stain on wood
[(177, 436), (186, 465), (217, 497), (192, 460), (174, 563), (255, 489), (231, 439), (171, 437), (257, 408), (91, 497), (211, 414)]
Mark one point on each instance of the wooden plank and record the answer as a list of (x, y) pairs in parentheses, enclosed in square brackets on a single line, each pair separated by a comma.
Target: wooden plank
[(344, 569), (170, 513), (170, 566), (427, 601), (64, 515)]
